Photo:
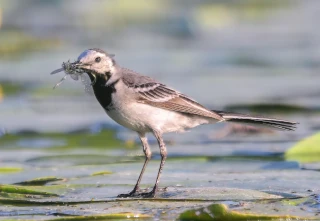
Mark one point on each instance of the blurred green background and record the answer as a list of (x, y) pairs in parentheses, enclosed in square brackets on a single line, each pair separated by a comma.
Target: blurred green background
[(250, 56)]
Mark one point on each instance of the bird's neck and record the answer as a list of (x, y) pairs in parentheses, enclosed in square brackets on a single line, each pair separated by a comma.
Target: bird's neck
[(103, 88), (98, 79)]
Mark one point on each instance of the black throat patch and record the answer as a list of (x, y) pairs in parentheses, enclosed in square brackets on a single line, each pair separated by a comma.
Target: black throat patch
[(102, 91)]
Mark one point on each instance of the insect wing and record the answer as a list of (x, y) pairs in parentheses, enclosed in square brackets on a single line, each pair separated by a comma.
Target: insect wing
[(60, 82), (74, 76), (87, 84), (57, 71)]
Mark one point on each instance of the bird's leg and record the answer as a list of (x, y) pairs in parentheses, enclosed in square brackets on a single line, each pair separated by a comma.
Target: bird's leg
[(147, 153), (163, 153)]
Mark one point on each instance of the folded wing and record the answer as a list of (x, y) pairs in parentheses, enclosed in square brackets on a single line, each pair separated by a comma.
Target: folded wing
[(159, 95)]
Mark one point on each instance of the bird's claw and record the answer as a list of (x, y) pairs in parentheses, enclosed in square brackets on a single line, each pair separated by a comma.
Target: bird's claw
[(131, 194), (138, 194), (150, 194), (125, 195)]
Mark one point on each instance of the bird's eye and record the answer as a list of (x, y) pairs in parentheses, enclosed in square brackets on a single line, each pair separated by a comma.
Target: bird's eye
[(98, 59)]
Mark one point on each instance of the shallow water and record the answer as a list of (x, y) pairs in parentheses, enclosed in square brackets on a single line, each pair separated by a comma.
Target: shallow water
[(64, 133)]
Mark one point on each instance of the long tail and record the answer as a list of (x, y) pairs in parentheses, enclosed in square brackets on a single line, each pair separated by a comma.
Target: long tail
[(255, 120)]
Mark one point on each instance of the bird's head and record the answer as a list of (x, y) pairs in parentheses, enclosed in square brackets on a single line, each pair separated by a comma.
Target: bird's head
[(99, 65), (96, 62)]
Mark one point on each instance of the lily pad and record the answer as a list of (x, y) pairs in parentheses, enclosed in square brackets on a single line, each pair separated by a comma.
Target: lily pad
[(306, 150), (222, 212), (104, 217), (23, 190), (39, 181), (294, 202)]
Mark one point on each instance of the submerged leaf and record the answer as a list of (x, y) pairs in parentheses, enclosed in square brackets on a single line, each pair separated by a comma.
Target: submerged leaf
[(222, 212), (104, 217), (39, 181)]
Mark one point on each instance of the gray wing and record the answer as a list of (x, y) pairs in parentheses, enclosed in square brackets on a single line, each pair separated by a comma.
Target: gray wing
[(159, 95)]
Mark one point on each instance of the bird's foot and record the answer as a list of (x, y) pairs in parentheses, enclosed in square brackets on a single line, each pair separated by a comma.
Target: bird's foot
[(125, 195), (131, 194), (138, 193), (145, 194), (150, 194)]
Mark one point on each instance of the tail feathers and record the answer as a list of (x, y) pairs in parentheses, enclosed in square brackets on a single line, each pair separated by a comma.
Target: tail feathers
[(255, 120)]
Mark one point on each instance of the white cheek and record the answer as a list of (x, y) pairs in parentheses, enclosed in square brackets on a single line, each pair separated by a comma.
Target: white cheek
[(99, 68), (102, 68), (110, 66)]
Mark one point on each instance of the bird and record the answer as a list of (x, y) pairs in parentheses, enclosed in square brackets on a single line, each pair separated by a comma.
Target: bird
[(145, 105)]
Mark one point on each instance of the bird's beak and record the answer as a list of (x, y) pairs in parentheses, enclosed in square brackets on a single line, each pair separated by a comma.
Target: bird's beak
[(80, 65)]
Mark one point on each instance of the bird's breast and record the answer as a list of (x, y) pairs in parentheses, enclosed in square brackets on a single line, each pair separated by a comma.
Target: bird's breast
[(105, 94)]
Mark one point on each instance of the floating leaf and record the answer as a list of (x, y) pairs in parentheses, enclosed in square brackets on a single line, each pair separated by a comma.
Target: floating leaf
[(306, 150), (222, 212), (104, 217), (23, 190), (106, 172), (10, 169), (39, 181), (294, 202)]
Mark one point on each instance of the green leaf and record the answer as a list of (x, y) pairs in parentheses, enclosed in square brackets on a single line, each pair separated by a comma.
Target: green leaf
[(222, 212), (106, 172), (39, 181), (10, 169), (306, 150), (104, 217), (23, 190)]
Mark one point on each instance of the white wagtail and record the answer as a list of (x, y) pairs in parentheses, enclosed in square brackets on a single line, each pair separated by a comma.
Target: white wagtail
[(144, 105)]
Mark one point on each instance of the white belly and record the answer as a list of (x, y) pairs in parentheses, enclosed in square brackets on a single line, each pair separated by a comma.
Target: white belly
[(145, 118)]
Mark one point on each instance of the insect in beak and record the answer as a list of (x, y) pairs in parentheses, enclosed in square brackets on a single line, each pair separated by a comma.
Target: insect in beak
[(60, 82), (72, 69), (57, 71), (83, 66)]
